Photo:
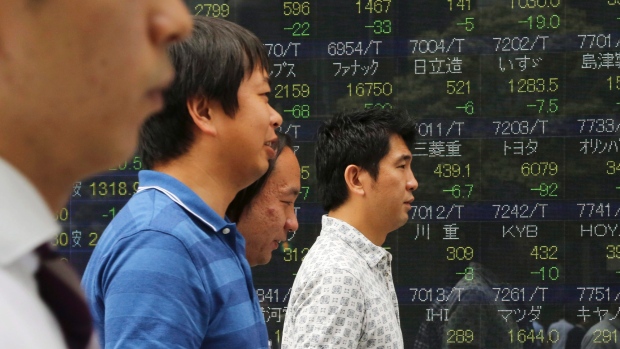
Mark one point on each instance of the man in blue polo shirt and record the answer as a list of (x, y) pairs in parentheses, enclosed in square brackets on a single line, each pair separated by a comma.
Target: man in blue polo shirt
[(170, 270)]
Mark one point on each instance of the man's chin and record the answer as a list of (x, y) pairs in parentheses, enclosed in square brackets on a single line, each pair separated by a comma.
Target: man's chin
[(264, 261), (402, 221), (267, 258), (262, 168)]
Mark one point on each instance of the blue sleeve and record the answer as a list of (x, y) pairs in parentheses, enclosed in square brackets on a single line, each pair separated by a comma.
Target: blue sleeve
[(153, 295)]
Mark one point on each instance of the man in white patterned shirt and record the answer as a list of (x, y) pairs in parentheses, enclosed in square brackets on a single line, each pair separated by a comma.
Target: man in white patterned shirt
[(343, 295)]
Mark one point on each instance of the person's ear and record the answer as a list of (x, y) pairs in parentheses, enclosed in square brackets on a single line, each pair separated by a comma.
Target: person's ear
[(201, 110), (355, 178)]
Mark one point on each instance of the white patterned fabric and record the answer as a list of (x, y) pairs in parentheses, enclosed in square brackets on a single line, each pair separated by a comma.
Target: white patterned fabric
[(343, 295)]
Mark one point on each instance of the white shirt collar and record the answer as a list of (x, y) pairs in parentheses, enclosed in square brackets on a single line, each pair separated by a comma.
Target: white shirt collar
[(370, 252), (25, 219)]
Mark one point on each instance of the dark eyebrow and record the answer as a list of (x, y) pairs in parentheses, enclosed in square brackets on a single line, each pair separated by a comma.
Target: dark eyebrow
[(405, 157), (292, 191)]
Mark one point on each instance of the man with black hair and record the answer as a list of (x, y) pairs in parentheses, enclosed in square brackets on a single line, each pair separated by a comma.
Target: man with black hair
[(343, 295), (77, 79), (170, 270), (265, 211)]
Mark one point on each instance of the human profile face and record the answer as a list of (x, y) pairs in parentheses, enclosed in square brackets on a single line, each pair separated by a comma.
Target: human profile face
[(391, 194), (267, 219), (86, 74), (249, 138)]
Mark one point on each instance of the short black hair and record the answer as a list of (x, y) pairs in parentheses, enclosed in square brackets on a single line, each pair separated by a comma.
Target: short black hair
[(211, 63), (359, 138), (245, 197)]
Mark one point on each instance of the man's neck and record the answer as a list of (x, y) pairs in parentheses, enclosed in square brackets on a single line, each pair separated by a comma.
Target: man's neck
[(355, 217), (215, 191)]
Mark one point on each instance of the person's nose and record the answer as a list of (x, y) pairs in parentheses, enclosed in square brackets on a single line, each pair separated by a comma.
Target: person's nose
[(291, 223), (169, 21), (275, 118), (412, 183)]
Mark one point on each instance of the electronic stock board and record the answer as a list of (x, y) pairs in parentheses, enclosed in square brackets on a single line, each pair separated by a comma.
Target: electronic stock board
[(517, 155)]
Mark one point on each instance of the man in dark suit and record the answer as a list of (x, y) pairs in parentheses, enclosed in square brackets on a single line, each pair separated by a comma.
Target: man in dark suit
[(77, 79)]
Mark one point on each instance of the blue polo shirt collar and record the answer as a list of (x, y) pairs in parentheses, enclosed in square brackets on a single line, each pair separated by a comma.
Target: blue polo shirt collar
[(184, 197)]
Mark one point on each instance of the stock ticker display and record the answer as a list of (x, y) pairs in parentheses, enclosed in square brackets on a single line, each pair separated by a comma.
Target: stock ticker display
[(517, 157)]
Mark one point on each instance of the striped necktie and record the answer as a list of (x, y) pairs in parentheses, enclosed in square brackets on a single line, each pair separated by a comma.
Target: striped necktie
[(59, 287)]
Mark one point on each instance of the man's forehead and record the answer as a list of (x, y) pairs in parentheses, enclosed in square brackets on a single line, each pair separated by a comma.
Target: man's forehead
[(287, 173), (258, 76), (398, 148)]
